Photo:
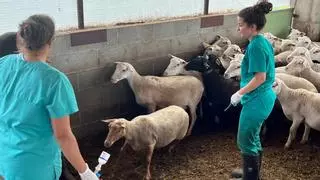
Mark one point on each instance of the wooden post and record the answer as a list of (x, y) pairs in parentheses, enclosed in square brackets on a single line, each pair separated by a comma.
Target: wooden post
[(206, 7)]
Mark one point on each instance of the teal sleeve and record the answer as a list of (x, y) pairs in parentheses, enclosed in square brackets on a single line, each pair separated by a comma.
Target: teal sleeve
[(257, 60), (62, 100)]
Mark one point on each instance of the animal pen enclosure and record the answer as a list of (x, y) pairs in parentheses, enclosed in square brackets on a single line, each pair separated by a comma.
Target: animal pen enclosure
[(87, 57)]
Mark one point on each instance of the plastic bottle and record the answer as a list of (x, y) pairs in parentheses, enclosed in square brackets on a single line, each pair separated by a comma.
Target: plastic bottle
[(103, 159)]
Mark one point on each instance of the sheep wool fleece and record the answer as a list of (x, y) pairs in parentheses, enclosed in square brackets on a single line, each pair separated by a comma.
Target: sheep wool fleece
[(257, 104), (32, 93)]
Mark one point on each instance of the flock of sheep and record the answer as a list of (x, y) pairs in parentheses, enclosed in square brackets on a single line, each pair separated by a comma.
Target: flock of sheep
[(172, 99)]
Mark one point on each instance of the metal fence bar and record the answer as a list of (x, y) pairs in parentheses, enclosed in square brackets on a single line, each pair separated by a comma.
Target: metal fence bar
[(206, 7), (80, 14)]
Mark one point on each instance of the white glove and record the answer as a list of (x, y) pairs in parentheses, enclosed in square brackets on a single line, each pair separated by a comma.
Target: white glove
[(235, 98), (88, 175)]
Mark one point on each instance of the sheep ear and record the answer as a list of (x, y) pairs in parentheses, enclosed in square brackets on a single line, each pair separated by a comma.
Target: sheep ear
[(205, 45), (170, 56), (217, 37), (108, 120), (118, 62)]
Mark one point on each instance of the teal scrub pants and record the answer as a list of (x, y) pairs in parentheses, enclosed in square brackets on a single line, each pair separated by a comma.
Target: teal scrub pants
[(253, 114)]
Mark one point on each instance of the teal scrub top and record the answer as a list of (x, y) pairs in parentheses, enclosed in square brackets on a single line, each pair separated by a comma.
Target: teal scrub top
[(31, 94), (259, 57)]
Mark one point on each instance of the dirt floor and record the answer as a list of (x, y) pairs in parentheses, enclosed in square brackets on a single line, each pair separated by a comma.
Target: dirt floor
[(209, 156)]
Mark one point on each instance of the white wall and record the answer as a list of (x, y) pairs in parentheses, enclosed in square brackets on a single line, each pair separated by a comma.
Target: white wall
[(64, 12)]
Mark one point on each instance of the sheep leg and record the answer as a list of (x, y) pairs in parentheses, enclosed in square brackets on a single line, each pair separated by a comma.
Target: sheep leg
[(192, 119), (293, 131), (148, 160), (306, 133)]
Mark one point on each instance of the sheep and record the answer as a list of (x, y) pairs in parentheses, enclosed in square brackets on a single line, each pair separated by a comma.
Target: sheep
[(300, 66), (234, 68), (218, 47), (302, 51), (295, 33), (299, 105), (232, 50), (149, 132), (281, 58), (176, 67), (304, 41), (221, 41), (294, 82), (153, 91), (213, 49), (315, 54)]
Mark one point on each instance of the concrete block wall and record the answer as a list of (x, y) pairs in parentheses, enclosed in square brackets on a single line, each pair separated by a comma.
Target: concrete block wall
[(88, 56), (307, 17)]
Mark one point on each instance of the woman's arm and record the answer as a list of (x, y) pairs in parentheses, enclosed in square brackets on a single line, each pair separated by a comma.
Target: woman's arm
[(68, 143), (255, 82)]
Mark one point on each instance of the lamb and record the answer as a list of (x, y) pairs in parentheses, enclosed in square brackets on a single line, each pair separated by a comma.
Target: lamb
[(301, 67), (158, 92), (232, 50), (148, 132), (299, 105)]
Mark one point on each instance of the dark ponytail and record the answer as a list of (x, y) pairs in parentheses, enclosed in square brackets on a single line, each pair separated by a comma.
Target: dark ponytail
[(36, 31), (255, 15)]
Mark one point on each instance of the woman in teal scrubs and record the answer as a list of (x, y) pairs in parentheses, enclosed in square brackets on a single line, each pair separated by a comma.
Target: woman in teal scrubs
[(35, 103), (255, 94)]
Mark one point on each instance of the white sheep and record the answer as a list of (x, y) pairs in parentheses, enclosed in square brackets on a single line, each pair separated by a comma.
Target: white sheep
[(232, 50), (213, 49), (304, 52), (304, 41), (281, 58), (300, 66), (287, 45), (149, 132), (315, 54), (299, 106), (234, 68), (177, 66), (221, 41), (295, 33), (157, 92), (294, 82)]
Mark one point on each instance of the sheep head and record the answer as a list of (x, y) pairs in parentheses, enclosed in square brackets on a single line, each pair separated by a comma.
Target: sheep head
[(297, 65), (175, 67), (123, 71), (117, 130), (233, 70), (315, 54), (277, 85), (303, 41), (299, 51), (232, 50), (222, 41), (295, 33), (287, 45), (200, 64), (214, 50)]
